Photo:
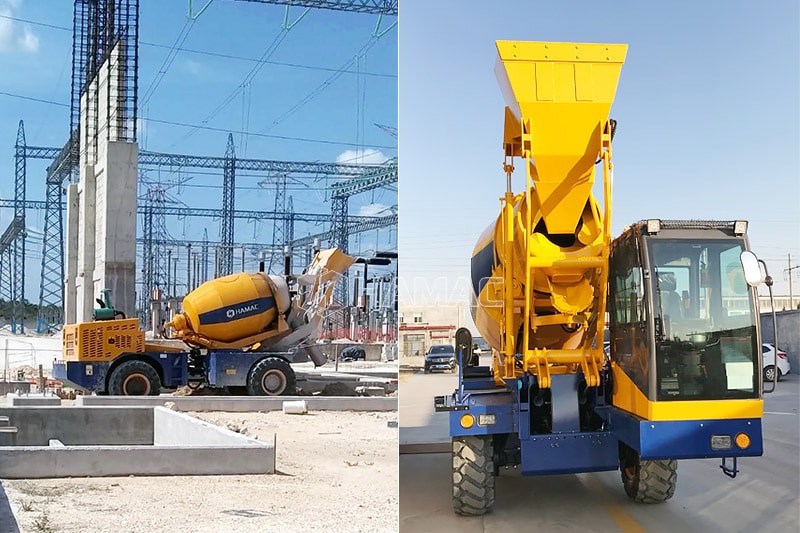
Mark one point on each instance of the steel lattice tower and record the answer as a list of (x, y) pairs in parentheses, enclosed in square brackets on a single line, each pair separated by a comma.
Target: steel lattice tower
[(5, 275), (225, 255), (147, 261), (204, 255), (154, 254), (51, 287), (279, 233), (18, 264), (289, 221), (339, 240)]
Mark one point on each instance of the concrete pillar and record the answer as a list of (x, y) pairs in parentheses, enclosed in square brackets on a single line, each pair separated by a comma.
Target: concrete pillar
[(115, 253), (71, 264), (84, 280)]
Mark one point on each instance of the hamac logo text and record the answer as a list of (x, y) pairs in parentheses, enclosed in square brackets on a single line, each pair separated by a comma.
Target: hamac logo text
[(230, 313)]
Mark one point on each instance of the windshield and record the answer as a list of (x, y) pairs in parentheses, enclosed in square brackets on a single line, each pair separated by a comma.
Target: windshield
[(706, 344), (442, 349)]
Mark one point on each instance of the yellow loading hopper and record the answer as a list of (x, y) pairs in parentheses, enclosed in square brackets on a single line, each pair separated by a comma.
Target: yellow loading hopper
[(557, 96), (547, 255)]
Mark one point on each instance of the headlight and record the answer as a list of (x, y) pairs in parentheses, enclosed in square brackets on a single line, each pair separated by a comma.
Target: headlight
[(467, 421), (721, 442), (487, 420)]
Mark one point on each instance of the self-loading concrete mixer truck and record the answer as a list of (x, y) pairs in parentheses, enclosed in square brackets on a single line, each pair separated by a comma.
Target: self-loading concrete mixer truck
[(683, 378), (239, 332)]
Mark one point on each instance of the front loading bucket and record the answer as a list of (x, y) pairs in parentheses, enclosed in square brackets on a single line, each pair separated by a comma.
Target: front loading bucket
[(560, 94)]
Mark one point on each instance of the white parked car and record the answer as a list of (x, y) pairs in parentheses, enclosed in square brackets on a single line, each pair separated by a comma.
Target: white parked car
[(768, 351)]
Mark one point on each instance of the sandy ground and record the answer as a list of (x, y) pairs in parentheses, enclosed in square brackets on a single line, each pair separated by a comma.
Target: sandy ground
[(337, 471)]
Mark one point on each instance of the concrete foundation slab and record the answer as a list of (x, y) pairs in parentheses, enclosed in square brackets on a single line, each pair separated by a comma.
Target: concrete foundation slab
[(31, 400), (120, 441), (237, 404)]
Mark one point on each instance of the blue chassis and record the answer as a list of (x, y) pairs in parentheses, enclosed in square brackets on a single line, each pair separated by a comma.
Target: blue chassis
[(569, 450), (224, 368)]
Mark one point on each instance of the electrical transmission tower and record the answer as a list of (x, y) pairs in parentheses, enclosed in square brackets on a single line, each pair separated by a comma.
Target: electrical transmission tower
[(225, 250), (154, 255), (280, 233), (108, 31)]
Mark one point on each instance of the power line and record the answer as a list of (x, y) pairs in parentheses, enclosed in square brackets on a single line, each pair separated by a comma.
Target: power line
[(322, 86), (268, 62), (36, 23), (214, 54), (273, 46), (31, 98), (168, 60), (211, 128), (265, 135)]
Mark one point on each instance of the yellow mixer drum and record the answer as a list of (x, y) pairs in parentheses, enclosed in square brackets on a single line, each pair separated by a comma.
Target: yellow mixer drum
[(229, 308)]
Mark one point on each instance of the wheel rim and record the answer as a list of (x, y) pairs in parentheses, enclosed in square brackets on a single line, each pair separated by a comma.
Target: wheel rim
[(769, 374), (629, 465), (136, 385), (273, 382)]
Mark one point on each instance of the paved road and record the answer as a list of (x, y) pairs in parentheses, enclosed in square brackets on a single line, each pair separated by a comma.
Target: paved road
[(763, 497)]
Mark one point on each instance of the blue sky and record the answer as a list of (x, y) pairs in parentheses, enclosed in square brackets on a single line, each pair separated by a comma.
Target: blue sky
[(707, 110), (327, 80)]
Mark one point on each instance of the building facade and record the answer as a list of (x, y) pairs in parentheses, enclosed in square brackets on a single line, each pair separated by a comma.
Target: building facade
[(424, 325)]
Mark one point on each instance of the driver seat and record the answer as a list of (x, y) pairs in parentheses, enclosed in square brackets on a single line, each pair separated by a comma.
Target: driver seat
[(671, 303)]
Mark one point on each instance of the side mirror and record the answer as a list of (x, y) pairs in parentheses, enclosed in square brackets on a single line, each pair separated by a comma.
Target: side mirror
[(752, 269), (754, 277)]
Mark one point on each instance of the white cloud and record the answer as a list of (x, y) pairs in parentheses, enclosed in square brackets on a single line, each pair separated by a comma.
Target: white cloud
[(375, 210), (13, 37), (6, 29), (365, 156), (29, 42), (192, 67)]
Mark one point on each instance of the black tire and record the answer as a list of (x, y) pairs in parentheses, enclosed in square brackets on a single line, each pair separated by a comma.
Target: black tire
[(271, 376), (769, 374), (647, 481), (134, 378), (473, 475)]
